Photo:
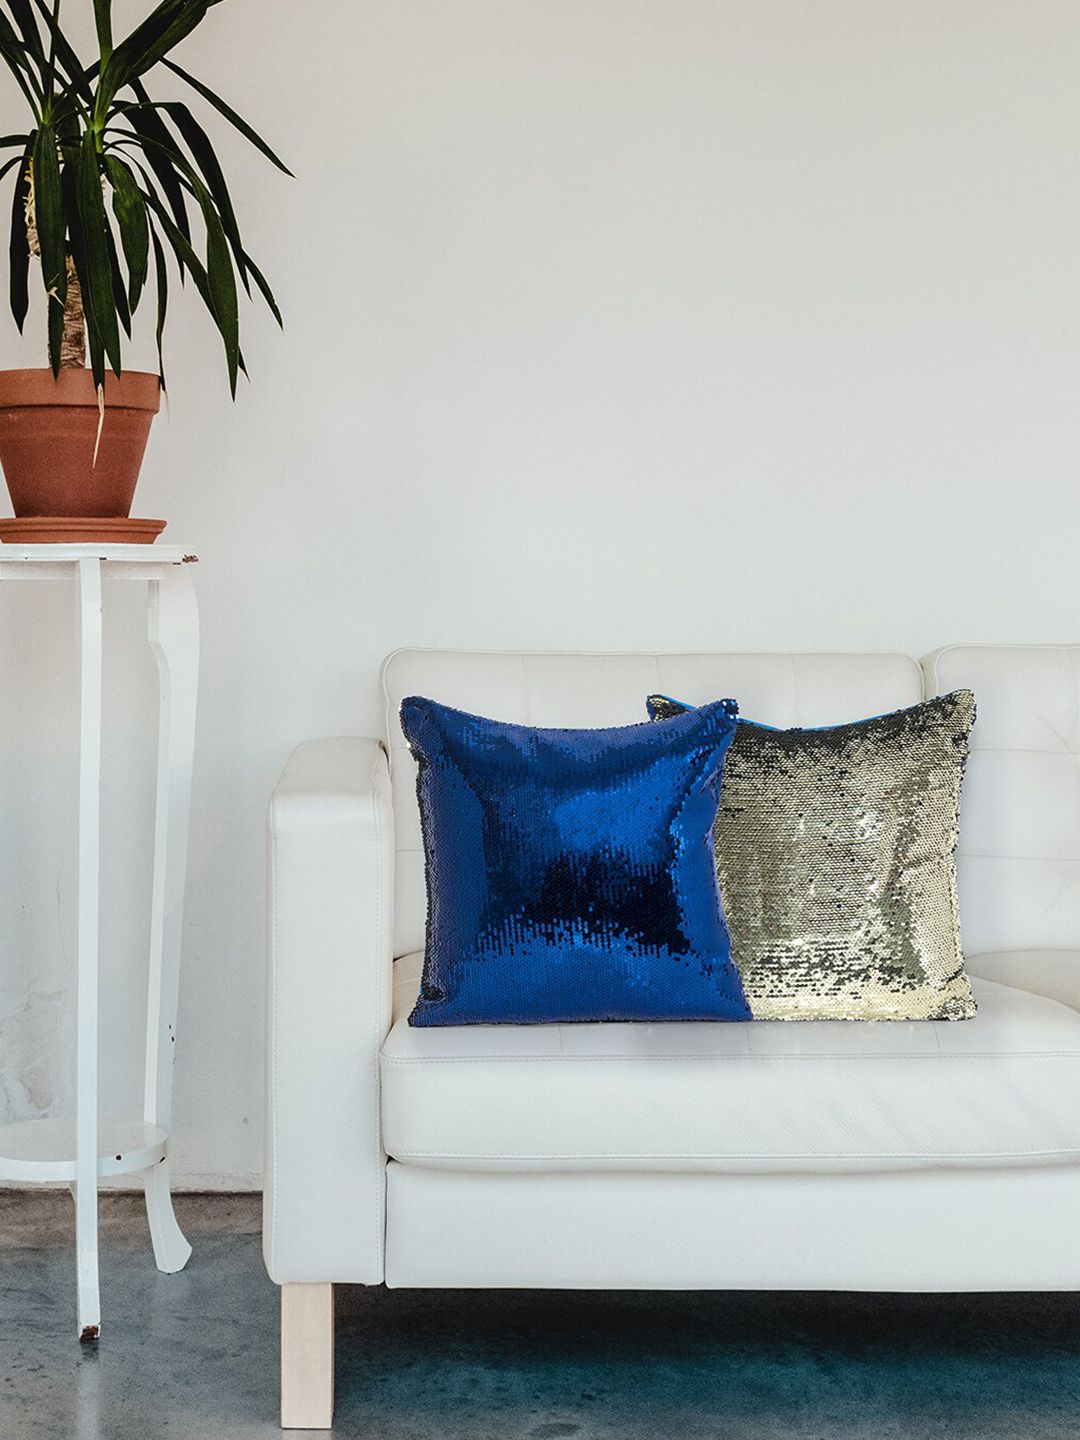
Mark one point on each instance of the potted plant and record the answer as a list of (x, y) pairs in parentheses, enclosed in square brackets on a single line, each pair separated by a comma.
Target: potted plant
[(107, 184)]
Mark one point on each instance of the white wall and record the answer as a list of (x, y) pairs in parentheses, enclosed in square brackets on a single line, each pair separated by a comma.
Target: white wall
[(610, 323)]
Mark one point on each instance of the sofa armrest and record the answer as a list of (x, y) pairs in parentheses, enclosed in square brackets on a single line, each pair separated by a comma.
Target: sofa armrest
[(331, 854)]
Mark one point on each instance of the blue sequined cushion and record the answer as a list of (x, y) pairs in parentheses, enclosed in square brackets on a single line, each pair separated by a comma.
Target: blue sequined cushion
[(570, 873)]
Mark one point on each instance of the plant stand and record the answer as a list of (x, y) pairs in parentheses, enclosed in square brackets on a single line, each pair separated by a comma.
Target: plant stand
[(82, 1150)]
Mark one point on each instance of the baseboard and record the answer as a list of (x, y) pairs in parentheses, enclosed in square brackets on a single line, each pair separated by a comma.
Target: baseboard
[(233, 1182), (230, 1183)]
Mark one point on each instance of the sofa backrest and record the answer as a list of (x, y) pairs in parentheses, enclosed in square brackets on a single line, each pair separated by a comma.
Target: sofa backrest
[(539, 688), (1019, 851)]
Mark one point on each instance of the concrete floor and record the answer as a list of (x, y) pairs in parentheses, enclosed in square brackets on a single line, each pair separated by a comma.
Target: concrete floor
[(193, 1356)]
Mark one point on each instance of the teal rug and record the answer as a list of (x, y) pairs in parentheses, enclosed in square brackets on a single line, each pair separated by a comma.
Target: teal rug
[(766, 1366)]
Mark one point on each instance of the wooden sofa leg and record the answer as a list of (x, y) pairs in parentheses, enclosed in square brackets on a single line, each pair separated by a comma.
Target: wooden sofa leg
[(307, 1357)]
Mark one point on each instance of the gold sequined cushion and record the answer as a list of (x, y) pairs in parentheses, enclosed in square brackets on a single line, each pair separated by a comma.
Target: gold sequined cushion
[(835, 853)]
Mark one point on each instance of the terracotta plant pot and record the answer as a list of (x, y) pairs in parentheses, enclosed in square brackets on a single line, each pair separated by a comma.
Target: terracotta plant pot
[(48, 429)]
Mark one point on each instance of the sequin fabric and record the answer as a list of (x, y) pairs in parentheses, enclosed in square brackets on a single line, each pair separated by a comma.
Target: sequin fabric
[(570, 873), (835, 854)]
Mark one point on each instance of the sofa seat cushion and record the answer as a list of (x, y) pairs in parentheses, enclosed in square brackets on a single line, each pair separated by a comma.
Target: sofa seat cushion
[(1053, 973), (809, 1096)]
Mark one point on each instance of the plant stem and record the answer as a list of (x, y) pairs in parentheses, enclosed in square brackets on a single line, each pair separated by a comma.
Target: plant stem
[(73, 345)]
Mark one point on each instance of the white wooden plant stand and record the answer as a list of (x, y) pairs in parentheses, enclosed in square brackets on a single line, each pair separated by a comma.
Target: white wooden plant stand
[(83, 1150)]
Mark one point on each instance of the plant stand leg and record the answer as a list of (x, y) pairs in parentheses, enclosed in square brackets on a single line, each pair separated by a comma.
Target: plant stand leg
[(173, 632), (89, 842), (307, 1357), (172, 1250)]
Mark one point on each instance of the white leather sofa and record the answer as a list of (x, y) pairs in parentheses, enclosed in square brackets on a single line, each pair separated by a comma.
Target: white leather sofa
[(904, 1156)]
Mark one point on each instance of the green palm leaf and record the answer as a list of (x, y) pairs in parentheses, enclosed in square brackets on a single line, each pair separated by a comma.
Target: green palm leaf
[(222, 280), (103, 25), (198, 142), (267, 294), (230, 115), (17, 58), (23, 14), (97, 281), (49, 211), (119, 290), (18, 245), (165, 26), (148, 125), (130, 211), (161, 271), (210, 281), (78, 75)]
